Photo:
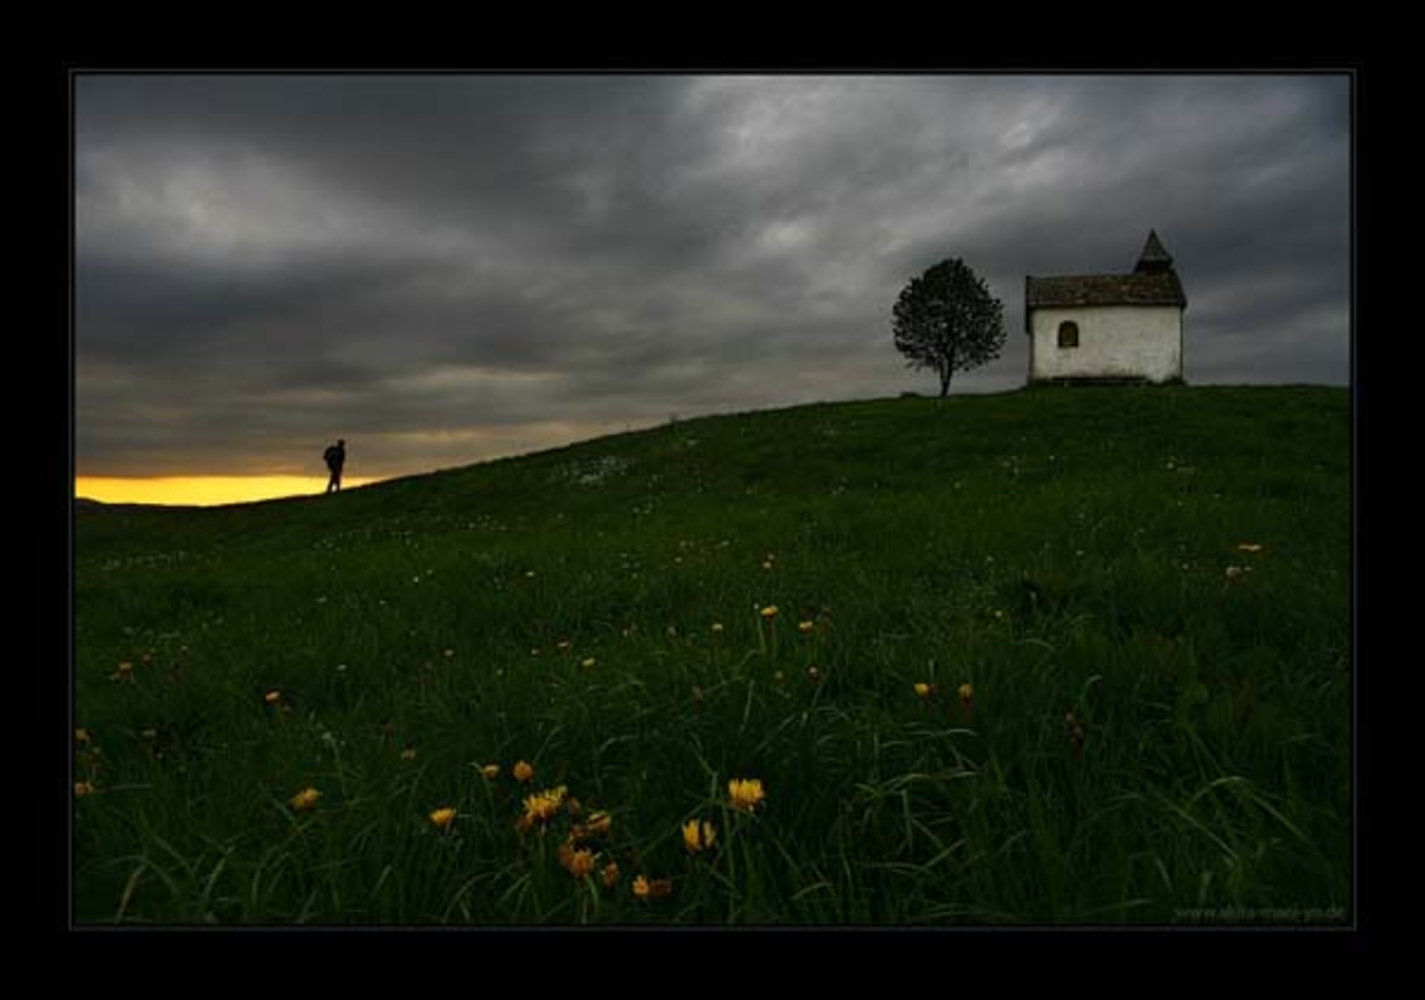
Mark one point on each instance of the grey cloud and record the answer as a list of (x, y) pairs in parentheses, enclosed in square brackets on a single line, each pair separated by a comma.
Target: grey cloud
[(446, 268)]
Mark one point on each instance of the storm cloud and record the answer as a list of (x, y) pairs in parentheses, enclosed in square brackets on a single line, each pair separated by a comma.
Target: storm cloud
[(445, 269)]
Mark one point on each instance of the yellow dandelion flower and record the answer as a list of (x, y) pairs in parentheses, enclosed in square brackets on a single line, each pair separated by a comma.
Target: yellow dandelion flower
[(640, 887), (717, 626), (563, 644), (490, 770), (442, 818), (745, 793), (542, 806), (588, 662), (409, 753), (805, 626), (770, 611), (305, 799), (609, 876), (581, 863), (922, 689), (81, 736), (598, 823), (272, 697), (1249, 547), (967, 693), (83, 788), (523, 771), (698, 836)]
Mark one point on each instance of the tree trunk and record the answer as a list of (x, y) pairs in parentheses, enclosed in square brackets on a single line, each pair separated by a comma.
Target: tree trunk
[(947, 370)]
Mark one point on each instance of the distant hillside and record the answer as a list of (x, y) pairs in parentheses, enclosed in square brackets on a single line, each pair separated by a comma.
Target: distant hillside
[(1060, 656)]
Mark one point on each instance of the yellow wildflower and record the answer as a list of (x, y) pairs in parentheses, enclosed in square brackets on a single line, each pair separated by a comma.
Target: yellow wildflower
[(442, 818), (449, 653), (581, 863), (273, 697), (609, 876), (541, 806), (805, 626), (745, 792), (717, 626), (490, 770), (767, 564), (770, 611), (813, 673), (922, 689), (305, 799), (967, 693), (598, 823), (659, 887), (640, 887), (587, 663), (83, 788), (698, 836), (409, 753), (1249, 547), (523, 771), (81, 736)]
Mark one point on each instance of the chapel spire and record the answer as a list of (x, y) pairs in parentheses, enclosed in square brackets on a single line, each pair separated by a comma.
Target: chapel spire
[(1154, 258)]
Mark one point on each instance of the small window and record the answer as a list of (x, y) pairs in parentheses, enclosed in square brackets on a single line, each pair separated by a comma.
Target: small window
[(1069, 334)]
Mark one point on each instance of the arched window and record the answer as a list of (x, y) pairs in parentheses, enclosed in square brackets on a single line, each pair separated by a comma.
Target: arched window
[(1069, 334)]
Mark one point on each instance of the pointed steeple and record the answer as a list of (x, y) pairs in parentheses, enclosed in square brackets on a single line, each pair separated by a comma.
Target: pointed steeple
[(1154, 258)]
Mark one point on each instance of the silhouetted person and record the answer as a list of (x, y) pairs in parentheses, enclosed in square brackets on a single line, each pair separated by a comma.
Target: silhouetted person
[(336, 458)]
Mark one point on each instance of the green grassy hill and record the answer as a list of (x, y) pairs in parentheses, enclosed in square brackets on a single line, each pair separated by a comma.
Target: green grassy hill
[(1157, 727)]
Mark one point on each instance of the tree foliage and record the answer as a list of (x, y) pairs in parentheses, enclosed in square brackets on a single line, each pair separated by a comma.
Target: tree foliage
[(946, 320)]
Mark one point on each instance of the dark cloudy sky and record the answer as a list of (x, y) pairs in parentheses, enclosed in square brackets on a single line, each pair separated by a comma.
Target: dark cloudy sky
[(445, 269)]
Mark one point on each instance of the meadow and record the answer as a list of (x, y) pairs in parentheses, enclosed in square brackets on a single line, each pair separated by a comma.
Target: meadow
[(1058, 656)]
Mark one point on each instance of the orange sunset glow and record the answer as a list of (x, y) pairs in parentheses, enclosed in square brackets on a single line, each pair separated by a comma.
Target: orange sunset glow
[(203, 491)]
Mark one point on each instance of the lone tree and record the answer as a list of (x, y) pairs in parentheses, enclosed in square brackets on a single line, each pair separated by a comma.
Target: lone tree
[(947, 320)]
